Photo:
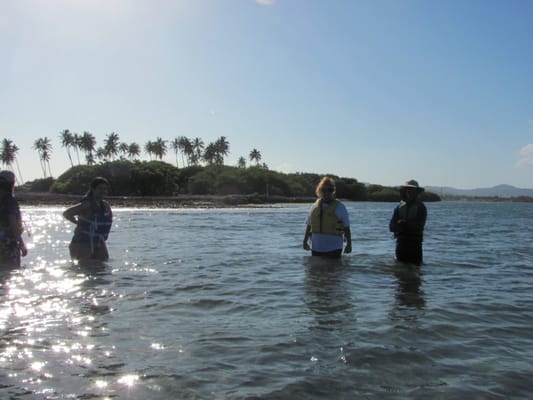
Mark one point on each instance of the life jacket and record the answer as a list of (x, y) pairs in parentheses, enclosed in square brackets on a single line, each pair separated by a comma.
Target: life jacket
[(408, 212), (413, 226), (324, 219), (97, 227)]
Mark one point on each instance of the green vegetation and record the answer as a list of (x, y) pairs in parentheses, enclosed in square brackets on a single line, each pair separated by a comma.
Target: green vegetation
[(201, 171), (157, 178)]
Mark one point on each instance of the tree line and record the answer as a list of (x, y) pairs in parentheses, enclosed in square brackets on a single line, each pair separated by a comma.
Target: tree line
[(199, 170), (191, 151), (158, 178)]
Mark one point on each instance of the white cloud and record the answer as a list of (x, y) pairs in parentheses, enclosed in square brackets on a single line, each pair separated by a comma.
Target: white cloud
[(527, 156), (527, 150), (265, 2)]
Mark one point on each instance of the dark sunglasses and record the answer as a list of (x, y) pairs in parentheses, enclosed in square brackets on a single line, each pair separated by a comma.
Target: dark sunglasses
[(328, 189)]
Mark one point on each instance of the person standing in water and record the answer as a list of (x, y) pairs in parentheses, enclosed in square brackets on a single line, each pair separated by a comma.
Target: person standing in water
[(12, 245), (408, 222), (93, 218), (328, 224)]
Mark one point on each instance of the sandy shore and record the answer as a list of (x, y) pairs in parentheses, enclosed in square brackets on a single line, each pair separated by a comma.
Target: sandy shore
[(181, 201)]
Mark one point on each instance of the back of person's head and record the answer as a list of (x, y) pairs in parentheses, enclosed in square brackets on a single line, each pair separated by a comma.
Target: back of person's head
[(7, 180), (326, 183)]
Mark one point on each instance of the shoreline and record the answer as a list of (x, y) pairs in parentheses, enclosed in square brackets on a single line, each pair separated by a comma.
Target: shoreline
[(46, 199), (180, 201)]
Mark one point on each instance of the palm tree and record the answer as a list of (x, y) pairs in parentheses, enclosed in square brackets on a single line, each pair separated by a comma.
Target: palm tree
[(123, 148), (242, 162), (89, 158), (77, 146), (101, 154), (255, 155), (175, 144), (160, 148), (210, 154), (67, 141), (44, 148), (134, 150), (111, 144), (47, 151), (88, 144), (8, 155), (222, 149), (186, 149), (149, 148), (197, 147)]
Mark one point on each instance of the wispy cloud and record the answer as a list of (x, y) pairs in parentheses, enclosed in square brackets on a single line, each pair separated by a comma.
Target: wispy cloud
[(265, 2), (527, 156)]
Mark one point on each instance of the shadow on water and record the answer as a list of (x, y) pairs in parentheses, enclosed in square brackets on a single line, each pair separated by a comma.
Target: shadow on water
[(409, 293), (93, 293), (326, 293), (90, 267)]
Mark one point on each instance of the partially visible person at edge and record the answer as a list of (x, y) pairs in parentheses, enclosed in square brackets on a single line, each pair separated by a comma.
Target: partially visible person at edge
[(407, 223), (93, 218), (11, 243), (328, 224)]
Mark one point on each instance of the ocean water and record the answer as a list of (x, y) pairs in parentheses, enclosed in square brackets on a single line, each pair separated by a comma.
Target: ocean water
[(225, 304)]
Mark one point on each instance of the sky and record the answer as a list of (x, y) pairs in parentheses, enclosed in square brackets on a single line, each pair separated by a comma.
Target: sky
[(380, 90)]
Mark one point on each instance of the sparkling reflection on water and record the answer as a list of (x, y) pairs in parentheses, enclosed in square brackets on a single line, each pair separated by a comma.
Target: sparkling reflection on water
[(217, 304)]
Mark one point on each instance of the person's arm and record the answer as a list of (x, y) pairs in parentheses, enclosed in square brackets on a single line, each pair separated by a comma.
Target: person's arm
[(348, 239), (71, 213), (307, 236), (108, 208), (15, 228), (393, 224), (423, 214), (342, 214)]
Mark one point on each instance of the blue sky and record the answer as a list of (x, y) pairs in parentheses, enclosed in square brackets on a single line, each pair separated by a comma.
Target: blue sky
[(381, 91)]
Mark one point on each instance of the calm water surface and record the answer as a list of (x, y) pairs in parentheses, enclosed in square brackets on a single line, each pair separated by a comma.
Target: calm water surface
[(224, 304)]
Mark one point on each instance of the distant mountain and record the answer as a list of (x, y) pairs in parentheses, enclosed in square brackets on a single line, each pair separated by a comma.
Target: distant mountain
[(498, 191)]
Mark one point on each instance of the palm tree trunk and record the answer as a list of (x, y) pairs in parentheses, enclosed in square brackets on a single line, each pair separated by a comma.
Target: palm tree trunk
[(18, 169), (70, 158), (43, 167)]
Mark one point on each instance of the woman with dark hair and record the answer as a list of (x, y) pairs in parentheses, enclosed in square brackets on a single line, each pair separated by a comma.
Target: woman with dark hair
[(93, 218), (328, 224), (407, 223), (11, 243)]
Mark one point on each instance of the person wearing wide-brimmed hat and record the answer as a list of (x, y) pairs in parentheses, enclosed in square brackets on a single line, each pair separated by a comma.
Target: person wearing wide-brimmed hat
[(408, 222), (11, 243)]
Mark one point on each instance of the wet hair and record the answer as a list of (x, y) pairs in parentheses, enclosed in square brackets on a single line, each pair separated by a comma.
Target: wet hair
[(326, 181), (96, 182)]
